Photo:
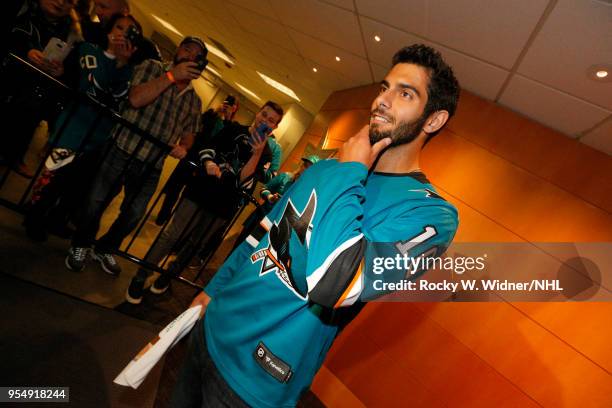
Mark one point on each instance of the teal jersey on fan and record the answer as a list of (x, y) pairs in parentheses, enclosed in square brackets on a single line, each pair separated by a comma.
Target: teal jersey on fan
[(280, 299), (105, 83)]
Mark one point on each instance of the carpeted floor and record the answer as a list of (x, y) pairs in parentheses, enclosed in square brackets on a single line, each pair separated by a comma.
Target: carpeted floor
[(51, 339)]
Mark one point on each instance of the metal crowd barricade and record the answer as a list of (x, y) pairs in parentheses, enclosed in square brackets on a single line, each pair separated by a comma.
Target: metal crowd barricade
[(161, 150)]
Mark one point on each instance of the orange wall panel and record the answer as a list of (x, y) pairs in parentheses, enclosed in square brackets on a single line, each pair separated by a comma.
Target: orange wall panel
[(541, 364), (348, 123), (521, 201), (542, 151), (429, 355), (321, 122), (333, 391), (377, 379), (354, 98), (475, 226), (586, 326)]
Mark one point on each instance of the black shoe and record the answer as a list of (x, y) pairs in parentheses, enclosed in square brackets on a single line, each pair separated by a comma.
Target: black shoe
[(134, 292), (161, 284), (107, 262), (196, 263), (76, 259)]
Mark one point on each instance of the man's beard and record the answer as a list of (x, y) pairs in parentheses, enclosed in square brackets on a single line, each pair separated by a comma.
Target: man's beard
[(402, 133)]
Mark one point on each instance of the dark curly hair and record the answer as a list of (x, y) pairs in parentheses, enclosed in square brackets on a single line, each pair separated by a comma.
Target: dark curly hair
[(443, 88)]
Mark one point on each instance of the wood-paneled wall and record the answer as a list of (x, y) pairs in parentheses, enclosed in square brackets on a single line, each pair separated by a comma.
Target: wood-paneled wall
[(512, 180)]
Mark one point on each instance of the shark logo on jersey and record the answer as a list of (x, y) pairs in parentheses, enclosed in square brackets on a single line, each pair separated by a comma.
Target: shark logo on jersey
[(276, 256)]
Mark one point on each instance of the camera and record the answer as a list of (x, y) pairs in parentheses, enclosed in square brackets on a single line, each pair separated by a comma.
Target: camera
[(133, 35)]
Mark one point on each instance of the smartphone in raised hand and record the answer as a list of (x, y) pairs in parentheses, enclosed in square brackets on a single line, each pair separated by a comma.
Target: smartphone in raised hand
[(133, 36), (262, 131), (56, 50), (201, 63)]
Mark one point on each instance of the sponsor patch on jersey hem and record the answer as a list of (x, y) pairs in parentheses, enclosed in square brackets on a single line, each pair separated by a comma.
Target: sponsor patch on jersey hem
[(273, 365)]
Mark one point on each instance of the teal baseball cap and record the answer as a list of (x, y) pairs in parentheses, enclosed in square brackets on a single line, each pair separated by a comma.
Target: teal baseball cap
[(312, 159)]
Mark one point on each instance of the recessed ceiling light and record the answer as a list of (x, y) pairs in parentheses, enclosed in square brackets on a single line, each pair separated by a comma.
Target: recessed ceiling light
[(211, 48), (214, 71), (248, 91), (600, 73), (283, 88), (167, 25), (337, 58), (215, 51), (376, 38), (314, 70)]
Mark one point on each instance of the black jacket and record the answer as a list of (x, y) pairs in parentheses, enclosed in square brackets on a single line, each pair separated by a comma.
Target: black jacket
[(231, 150)]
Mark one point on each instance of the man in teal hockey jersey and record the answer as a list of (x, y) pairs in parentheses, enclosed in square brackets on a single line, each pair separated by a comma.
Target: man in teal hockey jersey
[(276, 305)]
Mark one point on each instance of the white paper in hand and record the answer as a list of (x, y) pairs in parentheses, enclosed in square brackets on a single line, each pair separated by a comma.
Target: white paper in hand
[(135, 372)]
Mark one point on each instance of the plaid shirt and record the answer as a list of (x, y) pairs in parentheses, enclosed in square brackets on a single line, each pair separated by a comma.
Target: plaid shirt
[(167, 118)]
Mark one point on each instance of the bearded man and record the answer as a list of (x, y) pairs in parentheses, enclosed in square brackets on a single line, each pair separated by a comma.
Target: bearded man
[(274, 308)]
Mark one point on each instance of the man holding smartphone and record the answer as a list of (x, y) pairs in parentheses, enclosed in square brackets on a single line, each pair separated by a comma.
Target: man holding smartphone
[(232, 163), (162, 101)]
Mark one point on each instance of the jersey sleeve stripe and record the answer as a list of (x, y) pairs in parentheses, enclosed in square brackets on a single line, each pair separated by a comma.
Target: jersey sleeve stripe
[(266, 223), (318, 273), (259, 231), (351, 294), (252, 241)]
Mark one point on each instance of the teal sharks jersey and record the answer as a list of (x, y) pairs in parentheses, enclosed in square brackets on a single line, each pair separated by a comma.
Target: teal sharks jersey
[(103, 82), (280, 299)]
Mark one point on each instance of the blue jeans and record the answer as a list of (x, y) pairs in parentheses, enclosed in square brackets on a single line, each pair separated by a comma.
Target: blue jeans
[(199, 383), (139, 180)]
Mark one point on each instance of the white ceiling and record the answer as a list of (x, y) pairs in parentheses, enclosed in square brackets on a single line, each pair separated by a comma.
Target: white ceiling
[(531, 56)]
